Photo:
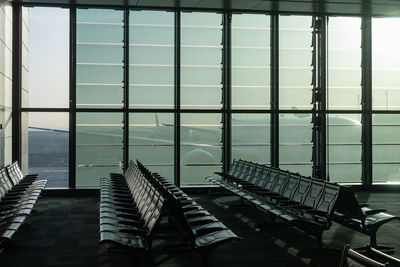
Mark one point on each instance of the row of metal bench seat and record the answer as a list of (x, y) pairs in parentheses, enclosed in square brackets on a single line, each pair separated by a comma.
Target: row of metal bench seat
[(200, 229), (18, 195), (132, 205), (307, 203), (130, 209)]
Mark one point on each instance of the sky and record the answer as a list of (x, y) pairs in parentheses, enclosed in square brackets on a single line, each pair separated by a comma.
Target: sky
[(48, 63)]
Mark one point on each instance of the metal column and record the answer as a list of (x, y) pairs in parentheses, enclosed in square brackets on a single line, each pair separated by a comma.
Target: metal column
[(16, 82), (366, 102), (177, 100), (274, 125), (72, 98), (319, 97), (226, 91), (126, 89)]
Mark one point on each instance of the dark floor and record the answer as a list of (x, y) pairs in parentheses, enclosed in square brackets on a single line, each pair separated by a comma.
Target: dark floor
[(64, 232)]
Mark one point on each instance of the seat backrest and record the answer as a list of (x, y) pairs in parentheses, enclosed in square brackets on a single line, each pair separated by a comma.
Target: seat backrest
[(314, 193), (7, 185), (13, 174), (351, 258), (347, 204), (241, 165), (234, 166), (250, 173), (256, 175), (153, 214), (328, 198), (3, 187), (301, 189), (263, 177), (291, 185), (281, 181), (246, 169), (273, 177), (15, 167)]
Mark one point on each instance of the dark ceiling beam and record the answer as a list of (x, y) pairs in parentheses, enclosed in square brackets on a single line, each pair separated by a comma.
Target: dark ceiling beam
[(374, 8)]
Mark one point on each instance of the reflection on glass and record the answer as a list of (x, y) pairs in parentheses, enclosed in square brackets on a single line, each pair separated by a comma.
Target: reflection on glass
[(295, 147), (295, 58), (98, 147), (48, 147), (251, 137), (344, 63), (47, 60), (151, 140), (201, 59), (151, 59), (250, 61), (344, 147), (386, 147), (200, 147), (385, 63), (99, 58)]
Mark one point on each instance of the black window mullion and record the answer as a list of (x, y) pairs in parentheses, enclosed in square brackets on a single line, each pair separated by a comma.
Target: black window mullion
[(366, 103), (126, 90), (319, 97), (17, 83), (72, 98), (177, 100), (227, 91), (274, 127)]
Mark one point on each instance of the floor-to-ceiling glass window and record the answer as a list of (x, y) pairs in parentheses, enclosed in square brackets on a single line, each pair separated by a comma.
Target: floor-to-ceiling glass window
[(45, 91), (385, 96), (344, 94), (151, 86), (251, 87), (99, 146), (100, 86), (48, 146), (295, 93), (201, 88), (151, 59), (6, 104)]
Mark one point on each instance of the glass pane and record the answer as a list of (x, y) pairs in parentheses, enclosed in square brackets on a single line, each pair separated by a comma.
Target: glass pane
[(151, 140), (295, 147), (47, 59), (250, 61), (344, 145), (48, 147), (386, 147), (344, 63), (99, 140), (200, 147), (5, 135), (385, 63), (295, 58), (201, 57), (151, 59), (99, 58), (251, 137)]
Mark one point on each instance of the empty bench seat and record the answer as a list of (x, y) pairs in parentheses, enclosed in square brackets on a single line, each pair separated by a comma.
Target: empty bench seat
[(304, 202), (18, 195), (130, 210), (200, 229)]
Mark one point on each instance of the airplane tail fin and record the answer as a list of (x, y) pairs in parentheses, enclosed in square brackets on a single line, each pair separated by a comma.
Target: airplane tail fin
[(157, 121)]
